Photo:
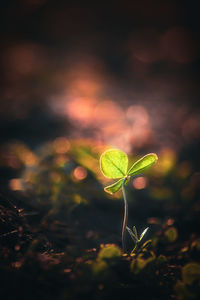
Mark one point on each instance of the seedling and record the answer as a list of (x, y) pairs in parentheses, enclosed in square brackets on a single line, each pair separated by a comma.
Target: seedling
[(134, 236), (114, 164)]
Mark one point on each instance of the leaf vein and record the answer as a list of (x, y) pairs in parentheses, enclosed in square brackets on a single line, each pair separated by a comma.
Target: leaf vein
[(116, 166)]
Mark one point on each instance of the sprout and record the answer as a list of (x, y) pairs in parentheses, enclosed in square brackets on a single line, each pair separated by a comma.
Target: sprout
[(114, 164)]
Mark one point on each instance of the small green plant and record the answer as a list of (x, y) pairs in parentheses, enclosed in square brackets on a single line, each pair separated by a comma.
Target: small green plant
[(114, 164), (134, 236)]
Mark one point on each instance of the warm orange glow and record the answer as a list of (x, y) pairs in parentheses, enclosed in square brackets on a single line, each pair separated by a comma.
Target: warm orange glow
[(61, 145), (140, 183), (108, 111), (85, 86), (137, 113), (81, 110), (17, 264), (170, 222), (84, 104), (139, 126), (30, 159), (167, 160), (67, 270), (61, 160), (17, 247), (19, 153), (153, 220), (15, 184), (13, 162), (80, 173)]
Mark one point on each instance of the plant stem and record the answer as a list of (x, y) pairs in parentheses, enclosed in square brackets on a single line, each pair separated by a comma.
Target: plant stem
[(135, 247), (125, 215)]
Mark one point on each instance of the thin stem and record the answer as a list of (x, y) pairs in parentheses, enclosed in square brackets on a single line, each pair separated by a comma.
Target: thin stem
[(135, 247), (125, 215)]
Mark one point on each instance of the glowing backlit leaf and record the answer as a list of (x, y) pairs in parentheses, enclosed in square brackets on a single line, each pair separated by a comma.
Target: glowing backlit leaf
[(113, 188), (142, 164), (143, 233), (114, 163)]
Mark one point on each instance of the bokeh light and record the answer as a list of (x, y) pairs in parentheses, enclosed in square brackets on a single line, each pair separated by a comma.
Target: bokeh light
[(140, 183), (15, 184), (61, 145), (80, 173)]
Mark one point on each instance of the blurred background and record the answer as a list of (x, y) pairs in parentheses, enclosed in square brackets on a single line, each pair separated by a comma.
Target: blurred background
[(78, 77), (123, 74)]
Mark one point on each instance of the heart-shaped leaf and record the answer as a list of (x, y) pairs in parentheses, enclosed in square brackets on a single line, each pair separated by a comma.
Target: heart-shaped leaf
[(142, 164), (114, 163)]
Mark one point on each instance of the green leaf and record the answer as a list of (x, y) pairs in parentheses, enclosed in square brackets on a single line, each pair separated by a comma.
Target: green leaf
[(113, 188), (142, 164), (143, 233), (114, 163), (135, 232), (133, 236)]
